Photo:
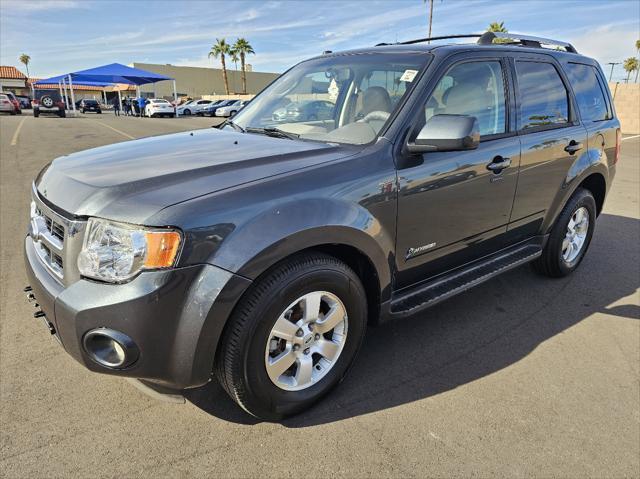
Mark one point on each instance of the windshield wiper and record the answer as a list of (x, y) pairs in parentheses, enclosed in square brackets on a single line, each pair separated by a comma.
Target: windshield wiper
[(235, 126), (275, 132)]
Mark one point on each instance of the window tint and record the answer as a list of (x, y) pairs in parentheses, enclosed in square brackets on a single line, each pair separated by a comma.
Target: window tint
[(474, 88), (589, 94), (543, 97)]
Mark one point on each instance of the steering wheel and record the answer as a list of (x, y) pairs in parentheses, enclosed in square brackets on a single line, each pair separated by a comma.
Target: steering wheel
[(377, 115)]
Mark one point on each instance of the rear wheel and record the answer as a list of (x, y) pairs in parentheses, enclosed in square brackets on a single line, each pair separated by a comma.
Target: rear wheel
[(187, 112), (570, 236), (293, 336)]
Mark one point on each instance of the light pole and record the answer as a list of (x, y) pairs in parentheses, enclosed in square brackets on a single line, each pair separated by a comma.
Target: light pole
[(612, 65)]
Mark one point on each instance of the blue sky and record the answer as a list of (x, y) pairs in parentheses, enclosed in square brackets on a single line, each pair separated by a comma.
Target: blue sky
[(66, 35)]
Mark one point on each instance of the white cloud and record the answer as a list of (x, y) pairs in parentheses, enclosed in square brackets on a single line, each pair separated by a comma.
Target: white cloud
[(608, 43)]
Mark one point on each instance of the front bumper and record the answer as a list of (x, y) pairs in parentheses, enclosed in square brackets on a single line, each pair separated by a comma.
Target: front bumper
[(170, 315)]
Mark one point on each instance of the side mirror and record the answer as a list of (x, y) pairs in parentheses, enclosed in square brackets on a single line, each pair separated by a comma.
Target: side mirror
[(447, 133)]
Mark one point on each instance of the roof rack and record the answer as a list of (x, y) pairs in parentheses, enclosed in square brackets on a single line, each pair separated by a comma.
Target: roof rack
[(525, 40), (487, 38), (421, 40)]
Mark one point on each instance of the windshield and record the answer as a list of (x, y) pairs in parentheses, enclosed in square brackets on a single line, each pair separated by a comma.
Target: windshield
[(342, 98), (159, 101)]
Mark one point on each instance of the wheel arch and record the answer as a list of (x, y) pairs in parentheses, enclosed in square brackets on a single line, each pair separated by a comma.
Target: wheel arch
[(594, 178), (597, 185)]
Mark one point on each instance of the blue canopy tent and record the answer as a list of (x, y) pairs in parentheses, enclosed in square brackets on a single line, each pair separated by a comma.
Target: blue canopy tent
[(118, 73), (111, 74)]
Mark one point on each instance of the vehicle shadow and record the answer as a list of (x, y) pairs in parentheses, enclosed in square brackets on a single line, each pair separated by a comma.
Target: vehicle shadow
[(472, 335)]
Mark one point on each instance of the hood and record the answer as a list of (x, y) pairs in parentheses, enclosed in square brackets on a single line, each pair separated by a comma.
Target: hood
[(131, 181)]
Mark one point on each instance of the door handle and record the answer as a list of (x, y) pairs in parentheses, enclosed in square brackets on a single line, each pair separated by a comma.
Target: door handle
[(498, 164), (573, 147)]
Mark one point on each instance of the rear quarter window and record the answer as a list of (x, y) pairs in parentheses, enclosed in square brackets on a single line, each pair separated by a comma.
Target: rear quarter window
[(544, 101), (588, 91)]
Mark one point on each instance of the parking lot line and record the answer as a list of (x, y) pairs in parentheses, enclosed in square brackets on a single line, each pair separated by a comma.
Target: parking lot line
[(117, 131), (14, 138), (630, 137)]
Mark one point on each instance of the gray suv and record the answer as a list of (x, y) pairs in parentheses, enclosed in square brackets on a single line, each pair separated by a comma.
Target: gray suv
[(258, 253)]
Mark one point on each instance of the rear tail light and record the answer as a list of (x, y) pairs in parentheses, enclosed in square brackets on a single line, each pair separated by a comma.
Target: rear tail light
[(618, 141)]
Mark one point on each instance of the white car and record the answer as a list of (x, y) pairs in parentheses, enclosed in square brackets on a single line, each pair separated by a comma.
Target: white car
[(6, 105), (193, 107), (159, 107), (230, 109)]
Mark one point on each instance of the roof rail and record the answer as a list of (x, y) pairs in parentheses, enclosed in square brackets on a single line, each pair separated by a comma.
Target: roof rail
[(487, 38), (525, 40), (421, 40)]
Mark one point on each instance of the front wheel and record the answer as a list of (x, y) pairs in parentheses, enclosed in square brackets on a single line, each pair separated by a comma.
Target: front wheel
[(570, 236), (293, 336)]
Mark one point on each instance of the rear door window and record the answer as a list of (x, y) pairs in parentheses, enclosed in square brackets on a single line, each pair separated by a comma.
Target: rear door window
[(588, 90), (544, 101)]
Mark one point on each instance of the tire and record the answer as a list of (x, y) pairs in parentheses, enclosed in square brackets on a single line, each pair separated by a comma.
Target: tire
[(553, 263), (12, 112), (187, 112), (47, 101), (99, 112), (36, 113), (241, 363), (62, 114)]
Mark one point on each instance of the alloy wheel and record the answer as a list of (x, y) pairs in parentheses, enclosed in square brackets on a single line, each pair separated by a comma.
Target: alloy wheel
[(306, 341), (576, 234)]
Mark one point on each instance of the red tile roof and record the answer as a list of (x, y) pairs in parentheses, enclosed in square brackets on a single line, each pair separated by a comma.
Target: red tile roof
[(11, 72)]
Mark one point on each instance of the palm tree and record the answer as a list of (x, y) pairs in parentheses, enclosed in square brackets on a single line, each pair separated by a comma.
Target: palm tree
[(638, 52), (630, 65), (498, 27), (235, 58), (24, 58), (220, 49), (243, 48), (430, 15)]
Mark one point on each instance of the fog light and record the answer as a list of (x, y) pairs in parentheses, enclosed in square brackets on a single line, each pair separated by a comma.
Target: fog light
[(110, 348)]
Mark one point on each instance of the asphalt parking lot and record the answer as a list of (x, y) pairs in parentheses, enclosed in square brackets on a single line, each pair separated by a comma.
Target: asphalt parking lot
[(522, 376)]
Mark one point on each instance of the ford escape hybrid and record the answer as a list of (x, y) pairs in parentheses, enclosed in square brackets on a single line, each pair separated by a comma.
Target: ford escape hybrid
[(258, 252)]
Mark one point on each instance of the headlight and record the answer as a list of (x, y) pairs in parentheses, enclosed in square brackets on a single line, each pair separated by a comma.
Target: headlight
[(116, 252)]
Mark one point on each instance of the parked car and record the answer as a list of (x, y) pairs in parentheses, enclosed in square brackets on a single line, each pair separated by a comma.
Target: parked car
[(88, 104), (258, 253), (210, 109), (6, 105), (48, 101), (309, 111), (230, 109), (14, 102), (159, 107), (193, 107), (25, 101)]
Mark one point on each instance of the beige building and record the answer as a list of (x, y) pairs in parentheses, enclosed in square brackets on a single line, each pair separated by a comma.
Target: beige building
[(197, 82), (626, 97)]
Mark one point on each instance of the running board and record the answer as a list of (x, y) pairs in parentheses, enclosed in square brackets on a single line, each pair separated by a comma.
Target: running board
[(445, 286)]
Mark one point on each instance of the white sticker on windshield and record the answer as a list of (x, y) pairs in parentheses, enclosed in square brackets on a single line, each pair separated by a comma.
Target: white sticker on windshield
[(333, 90), (408, 75)]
